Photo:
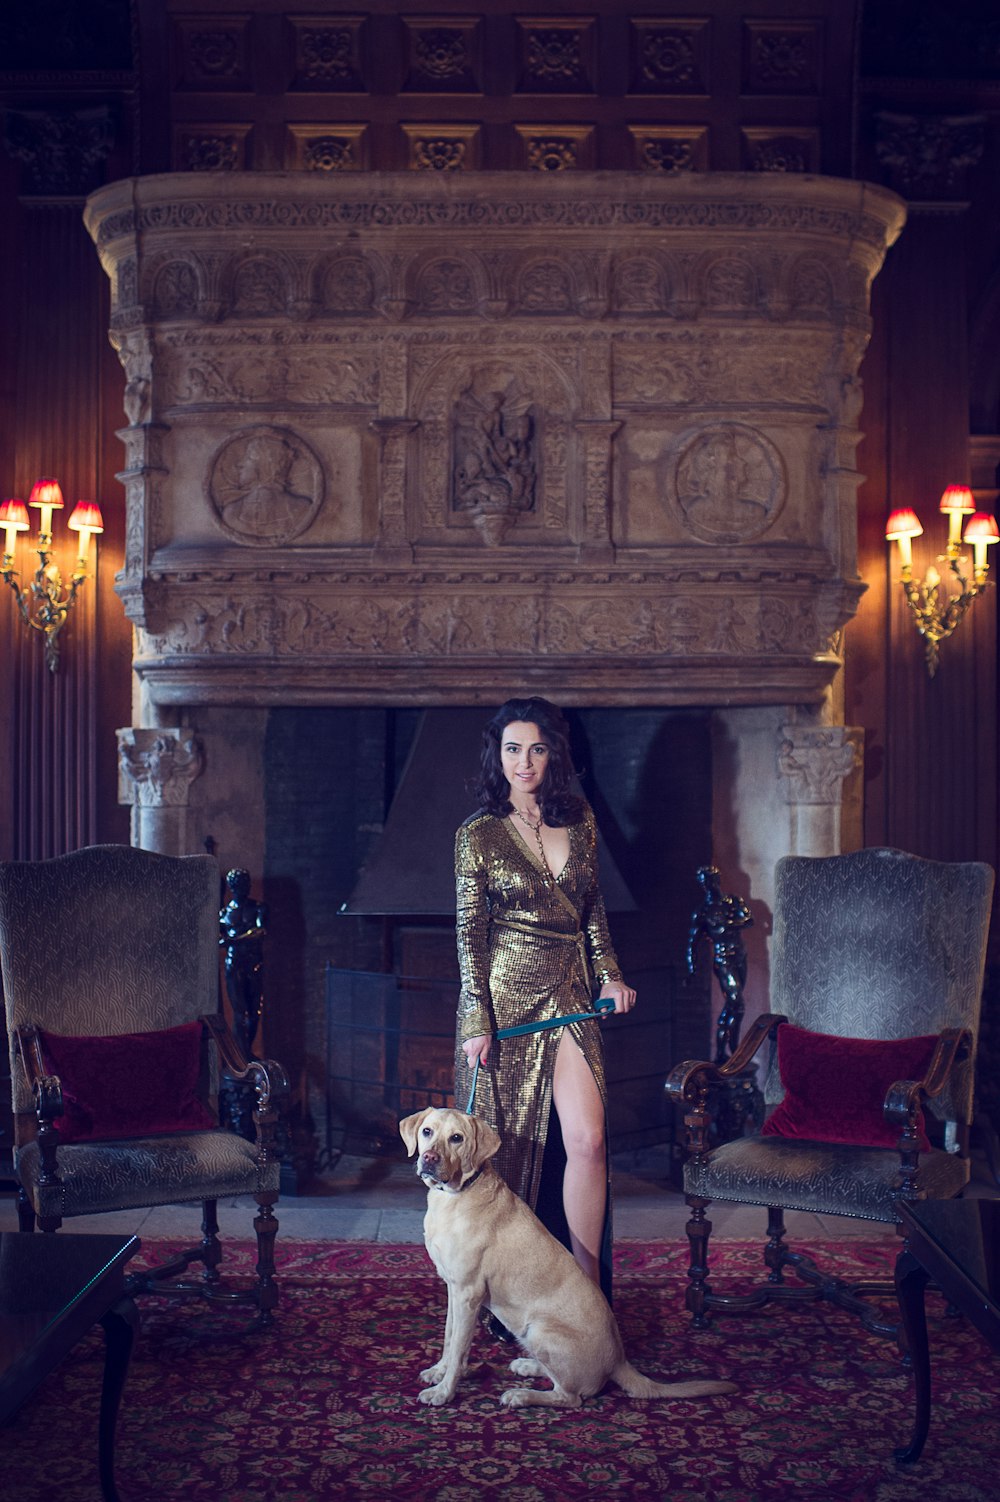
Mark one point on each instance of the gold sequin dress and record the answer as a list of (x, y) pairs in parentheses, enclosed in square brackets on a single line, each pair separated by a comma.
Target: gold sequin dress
[(524, 955)]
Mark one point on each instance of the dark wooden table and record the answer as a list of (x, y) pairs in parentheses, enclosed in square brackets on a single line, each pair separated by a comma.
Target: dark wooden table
[(53, 1289), (955, 1244)]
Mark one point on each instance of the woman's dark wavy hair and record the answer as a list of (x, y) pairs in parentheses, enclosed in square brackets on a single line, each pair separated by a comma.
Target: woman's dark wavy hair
[(557, 804)]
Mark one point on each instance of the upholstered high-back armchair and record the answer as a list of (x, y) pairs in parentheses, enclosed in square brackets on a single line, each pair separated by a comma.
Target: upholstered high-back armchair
[(876, 979), (110, 961)]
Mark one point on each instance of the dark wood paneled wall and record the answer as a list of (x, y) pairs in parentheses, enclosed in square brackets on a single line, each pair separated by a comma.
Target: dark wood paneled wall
[(58, 414), (929, 127)]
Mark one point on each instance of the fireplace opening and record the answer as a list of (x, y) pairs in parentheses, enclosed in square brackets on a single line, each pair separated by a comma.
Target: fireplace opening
[(362, 993)]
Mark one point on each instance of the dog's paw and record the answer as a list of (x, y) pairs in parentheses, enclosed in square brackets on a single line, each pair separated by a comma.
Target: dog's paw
[(515, 1397), (525, 1366), (432, 1373), (437, 1396)]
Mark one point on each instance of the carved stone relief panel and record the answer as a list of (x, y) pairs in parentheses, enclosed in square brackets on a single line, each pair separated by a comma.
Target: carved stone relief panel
[(273, 369), (729, 482), (262, 485), (394, 438), (732, 486), (494, 440), (205, 642), (266, 485)]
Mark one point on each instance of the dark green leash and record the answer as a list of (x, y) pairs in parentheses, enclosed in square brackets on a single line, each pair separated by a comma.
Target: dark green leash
[(602, 1007)]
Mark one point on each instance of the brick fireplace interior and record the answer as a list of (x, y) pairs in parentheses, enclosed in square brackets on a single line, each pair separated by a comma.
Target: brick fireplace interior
[(332, 776)]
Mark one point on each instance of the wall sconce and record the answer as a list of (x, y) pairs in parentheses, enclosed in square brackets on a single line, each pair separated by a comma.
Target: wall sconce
[(45, 603), (936, 615)]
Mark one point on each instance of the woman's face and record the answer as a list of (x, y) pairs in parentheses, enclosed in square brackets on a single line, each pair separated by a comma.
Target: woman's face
[(524, 757)]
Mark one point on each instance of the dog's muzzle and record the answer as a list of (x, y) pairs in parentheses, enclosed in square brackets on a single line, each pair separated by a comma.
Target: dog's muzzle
[(430, 1173)]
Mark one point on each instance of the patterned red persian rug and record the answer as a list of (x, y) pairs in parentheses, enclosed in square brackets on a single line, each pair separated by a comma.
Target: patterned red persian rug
[(324, 1404)]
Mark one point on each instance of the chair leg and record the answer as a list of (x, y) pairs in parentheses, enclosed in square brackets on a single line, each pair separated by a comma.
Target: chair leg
[(211, 1251), (774, 1252), (25, 1212), (266, 1226), (698, 1231)]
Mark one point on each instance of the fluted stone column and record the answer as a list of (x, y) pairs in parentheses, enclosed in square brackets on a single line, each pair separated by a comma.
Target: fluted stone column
[(156, 768)]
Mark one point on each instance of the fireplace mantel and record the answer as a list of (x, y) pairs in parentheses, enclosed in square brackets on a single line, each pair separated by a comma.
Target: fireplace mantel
[(425, 438)]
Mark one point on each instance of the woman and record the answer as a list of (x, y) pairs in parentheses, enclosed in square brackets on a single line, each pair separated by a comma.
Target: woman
[(532, 943)]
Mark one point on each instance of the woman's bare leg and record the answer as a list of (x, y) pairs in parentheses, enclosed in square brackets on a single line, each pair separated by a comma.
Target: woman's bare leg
[(585, 1188)]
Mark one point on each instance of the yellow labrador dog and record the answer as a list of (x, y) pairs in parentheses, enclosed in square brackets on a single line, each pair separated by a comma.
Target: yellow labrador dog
[(491, 1249)]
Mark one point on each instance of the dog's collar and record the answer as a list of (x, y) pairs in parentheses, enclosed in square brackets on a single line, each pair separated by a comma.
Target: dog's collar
[(447, 1189)]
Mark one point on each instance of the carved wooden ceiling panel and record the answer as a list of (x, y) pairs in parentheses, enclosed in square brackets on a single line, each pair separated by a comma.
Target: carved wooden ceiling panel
[(460, 88)]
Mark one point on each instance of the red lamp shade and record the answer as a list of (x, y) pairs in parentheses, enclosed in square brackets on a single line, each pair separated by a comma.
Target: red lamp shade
[(958, 498), (902, 523), (982, 528), (14, 515), (86, 515), (46, 493)]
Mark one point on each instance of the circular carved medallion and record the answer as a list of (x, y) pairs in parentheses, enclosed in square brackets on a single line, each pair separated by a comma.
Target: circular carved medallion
[(729, 483), (266, 485)]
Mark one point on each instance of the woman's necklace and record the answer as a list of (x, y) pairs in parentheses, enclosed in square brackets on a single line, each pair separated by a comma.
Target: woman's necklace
[(536, 830)]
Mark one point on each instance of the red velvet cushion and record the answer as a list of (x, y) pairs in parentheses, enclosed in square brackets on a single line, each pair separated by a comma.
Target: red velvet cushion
[(131, 1085), (835, 1087)]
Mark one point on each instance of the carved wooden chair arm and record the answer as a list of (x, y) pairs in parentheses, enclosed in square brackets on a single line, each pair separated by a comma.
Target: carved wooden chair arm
[(45, 1088), (690, 1079), (904, 1097), (269, 1079)]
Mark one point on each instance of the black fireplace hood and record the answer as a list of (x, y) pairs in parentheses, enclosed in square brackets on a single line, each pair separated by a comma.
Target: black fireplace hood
[(411, 870)]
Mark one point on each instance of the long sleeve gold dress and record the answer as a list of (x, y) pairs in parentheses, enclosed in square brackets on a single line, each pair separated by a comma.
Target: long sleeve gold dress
[(529, 948)]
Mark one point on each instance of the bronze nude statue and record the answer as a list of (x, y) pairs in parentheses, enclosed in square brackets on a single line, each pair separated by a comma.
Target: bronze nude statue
[(720, 919), (242, 924)]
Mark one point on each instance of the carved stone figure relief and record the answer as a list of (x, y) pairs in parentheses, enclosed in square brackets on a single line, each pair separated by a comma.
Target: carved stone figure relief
[(258, 289), (348, 286), (729, 483), (175, 291), (638, 285), (495, 456), (446, 286), (266, 485)]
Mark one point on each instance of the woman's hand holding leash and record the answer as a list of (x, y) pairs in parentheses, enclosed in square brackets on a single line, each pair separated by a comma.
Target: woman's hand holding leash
[(622, 995), (477, 1050)]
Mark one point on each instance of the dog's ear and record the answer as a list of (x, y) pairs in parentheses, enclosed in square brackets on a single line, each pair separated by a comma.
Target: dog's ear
[(485, 1140), (409, 1127)]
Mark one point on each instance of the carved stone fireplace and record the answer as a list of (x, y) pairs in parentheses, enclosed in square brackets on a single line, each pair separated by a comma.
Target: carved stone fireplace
[(429, 439)]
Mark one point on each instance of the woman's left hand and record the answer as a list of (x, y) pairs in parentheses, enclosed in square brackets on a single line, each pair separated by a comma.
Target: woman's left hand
[(622, 995)]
